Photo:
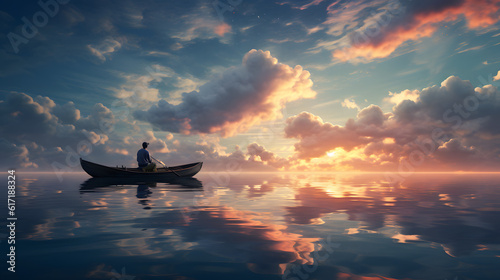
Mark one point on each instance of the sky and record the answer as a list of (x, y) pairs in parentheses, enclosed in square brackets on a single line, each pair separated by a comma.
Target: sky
[(390, 86)]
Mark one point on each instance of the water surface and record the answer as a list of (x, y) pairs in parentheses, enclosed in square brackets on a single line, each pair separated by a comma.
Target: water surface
[(258, 226)]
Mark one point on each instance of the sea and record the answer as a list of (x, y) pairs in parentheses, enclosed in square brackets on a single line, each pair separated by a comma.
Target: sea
[(295, 226)]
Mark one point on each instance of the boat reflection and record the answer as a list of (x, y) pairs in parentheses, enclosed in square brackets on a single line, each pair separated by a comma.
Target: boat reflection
[(183, 184)]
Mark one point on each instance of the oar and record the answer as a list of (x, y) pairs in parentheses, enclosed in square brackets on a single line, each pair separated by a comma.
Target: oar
[(166, 167)]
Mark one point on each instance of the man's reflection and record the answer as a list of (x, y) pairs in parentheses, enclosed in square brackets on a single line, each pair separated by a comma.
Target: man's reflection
[(143, 192)]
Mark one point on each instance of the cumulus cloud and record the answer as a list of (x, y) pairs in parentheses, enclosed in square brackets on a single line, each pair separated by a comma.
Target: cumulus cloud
[(236, 100), (37, 131), (257, 152), (17, 155), (452, 126), (67, 113), (390, 25), (318, 137), (94, 121), (140, 91)]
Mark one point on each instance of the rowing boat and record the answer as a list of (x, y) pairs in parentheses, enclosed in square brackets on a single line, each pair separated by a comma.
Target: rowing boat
[(98, 171)]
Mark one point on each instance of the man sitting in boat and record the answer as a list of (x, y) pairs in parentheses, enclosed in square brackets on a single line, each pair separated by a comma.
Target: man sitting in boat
[(144, 160)]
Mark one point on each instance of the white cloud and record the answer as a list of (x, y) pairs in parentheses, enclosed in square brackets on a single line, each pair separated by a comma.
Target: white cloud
[(350, 103)]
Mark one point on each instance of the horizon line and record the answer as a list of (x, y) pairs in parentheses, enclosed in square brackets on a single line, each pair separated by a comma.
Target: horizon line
[(301, 172)]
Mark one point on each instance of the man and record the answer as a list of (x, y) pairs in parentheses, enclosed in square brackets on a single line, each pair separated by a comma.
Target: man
[(144, 160)]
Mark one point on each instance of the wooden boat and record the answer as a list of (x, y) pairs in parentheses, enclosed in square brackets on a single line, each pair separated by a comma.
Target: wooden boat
[(99, 171)]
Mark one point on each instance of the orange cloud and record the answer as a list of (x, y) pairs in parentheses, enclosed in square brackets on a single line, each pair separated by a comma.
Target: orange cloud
[(497, 77), (418, 22), (318, 137), (391, 42), (222, 29)]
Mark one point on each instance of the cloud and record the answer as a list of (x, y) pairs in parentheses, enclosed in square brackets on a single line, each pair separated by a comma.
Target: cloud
[(37, 131), (451, 126), (16, 154), (94, 121), (222, 28), (67, 113), (200, 23), (397, 98), (215, 157), (390, 26), (472, 49), (305, 6), (318, 137), (139, 89), (257, 152), (203, 28), (350, 103), (497, 77), (238, 99), (104, 50)]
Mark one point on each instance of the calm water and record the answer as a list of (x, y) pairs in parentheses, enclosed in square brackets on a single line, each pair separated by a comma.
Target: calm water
[(257, 226)]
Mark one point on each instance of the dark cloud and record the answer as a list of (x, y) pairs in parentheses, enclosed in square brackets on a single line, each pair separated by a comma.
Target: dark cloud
[(67, 113), (37, 131)]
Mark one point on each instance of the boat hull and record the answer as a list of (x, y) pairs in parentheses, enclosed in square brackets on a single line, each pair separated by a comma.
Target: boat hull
[(101, 171)]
